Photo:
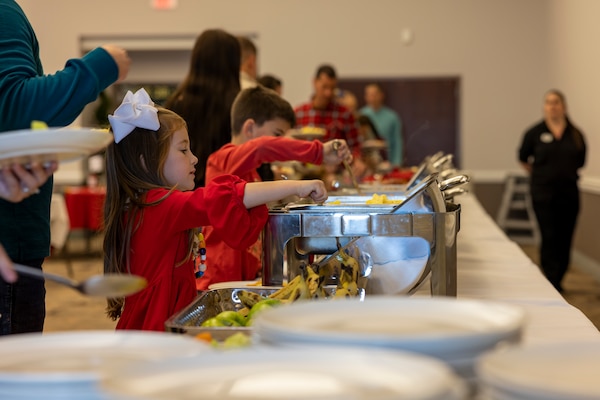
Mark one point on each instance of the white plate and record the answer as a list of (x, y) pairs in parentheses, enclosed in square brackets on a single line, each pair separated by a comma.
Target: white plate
[(307, 373), (373, 144), (81, 356), (550, 372), (308, 136), (444, 327), (61, 144), (308, 133)]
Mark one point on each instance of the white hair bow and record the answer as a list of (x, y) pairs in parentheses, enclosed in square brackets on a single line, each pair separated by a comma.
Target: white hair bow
[(136, 111)]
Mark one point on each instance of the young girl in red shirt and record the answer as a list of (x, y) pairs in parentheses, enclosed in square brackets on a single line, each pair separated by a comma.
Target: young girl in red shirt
[(151, 210)]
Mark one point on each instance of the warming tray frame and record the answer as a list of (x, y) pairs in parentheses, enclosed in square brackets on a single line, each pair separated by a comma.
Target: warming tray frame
[(291, 231)]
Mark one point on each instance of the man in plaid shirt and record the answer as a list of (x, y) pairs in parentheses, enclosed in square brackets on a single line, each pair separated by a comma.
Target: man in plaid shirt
[(324, 112)]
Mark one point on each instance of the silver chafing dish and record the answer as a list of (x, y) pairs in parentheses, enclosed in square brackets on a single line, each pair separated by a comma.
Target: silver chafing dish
[(207, 305), (211, 302), (296, 232)]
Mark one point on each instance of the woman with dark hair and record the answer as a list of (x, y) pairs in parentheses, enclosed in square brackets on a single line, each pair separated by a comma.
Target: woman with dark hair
[(205, 96), (552, 151), (374, 150)]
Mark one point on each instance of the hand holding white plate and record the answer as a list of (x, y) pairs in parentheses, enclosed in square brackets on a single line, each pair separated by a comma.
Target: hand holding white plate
[(51, 144)]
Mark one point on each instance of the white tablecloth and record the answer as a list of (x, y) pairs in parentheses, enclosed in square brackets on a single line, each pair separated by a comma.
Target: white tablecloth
[(59, 221), (491, 266)]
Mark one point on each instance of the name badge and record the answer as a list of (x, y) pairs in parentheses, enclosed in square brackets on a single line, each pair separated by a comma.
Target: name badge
[(547, 137)]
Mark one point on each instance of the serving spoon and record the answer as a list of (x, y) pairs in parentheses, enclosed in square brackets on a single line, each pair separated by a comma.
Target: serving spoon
[(107, 285)]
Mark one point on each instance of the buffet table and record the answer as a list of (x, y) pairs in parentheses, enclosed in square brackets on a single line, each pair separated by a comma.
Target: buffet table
[(492, 267)]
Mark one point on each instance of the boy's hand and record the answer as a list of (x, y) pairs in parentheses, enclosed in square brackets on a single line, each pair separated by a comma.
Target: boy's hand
[(314, 188), (335, 151)]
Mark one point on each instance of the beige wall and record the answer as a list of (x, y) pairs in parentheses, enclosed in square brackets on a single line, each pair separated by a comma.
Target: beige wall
[(587, 239), (575, 64), (497, 47)]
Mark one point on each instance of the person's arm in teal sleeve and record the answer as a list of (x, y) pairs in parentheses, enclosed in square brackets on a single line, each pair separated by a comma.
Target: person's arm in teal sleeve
[(27, 94), (55, 99)]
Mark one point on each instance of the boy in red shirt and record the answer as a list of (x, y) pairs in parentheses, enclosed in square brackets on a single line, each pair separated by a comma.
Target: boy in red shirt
[(259, 120)]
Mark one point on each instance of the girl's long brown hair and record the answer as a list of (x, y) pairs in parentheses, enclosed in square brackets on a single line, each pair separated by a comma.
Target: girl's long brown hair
[(133, 167)]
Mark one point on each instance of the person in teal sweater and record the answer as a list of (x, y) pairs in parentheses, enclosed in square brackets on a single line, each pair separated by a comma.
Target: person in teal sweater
[(16, 184), (386, 120), (27, 94)]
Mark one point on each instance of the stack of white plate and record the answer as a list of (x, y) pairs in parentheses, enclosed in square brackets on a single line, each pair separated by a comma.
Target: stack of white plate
[(69, 365), (565, 371), (307, 373), (60, 144), (454, 330)]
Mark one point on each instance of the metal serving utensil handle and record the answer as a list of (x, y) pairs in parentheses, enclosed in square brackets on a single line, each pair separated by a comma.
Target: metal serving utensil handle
[(38, 273), (454, 181), (336, 146), (417, 189)]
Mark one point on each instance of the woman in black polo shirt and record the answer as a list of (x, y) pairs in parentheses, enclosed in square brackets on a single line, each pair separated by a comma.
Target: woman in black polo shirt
[(552, 151)]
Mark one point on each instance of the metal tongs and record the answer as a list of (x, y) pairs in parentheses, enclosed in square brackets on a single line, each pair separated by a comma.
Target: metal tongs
[(417, 189), (336, 146)]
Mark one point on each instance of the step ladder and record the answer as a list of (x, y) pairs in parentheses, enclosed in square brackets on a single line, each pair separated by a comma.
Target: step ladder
[(515, 215)]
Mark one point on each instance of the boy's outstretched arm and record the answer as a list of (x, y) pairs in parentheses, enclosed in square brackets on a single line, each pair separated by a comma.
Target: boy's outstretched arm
[(258, 193)]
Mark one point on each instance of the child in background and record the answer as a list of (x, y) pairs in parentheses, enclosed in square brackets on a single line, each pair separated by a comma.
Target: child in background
[(151, 210), (259, 119)]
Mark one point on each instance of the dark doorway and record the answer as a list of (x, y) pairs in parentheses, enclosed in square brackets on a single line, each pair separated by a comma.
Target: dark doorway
[(428, 108)]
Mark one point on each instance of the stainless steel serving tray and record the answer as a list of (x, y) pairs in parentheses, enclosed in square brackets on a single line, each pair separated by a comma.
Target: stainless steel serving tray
[(354, 204), (372, 188), (207, 305), (210, 303), (346, 208)]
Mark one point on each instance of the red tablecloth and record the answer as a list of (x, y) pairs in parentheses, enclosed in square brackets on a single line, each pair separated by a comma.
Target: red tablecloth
[(85, 206)]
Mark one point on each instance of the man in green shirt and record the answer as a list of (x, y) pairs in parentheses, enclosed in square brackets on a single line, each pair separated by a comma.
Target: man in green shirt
[(387, 122)]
